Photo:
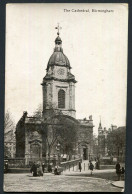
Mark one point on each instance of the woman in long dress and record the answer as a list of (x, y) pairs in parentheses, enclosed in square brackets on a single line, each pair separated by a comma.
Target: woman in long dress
[(40, 170)]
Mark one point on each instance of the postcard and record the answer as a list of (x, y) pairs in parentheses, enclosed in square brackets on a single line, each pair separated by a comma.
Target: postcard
[(65, 97)]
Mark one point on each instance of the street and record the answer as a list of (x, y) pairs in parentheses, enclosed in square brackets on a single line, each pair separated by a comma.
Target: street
[(56, 183)]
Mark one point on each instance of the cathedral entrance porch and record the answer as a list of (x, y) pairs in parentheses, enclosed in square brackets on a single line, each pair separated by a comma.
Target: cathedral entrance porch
[(83, 148), (85, 153)]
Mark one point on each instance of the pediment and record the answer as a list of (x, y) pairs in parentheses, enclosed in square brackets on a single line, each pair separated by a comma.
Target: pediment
[(35, 141)]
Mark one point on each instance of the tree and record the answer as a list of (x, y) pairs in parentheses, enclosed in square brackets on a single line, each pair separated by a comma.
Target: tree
[(9, 127), (8, 122), (38, 112), (7, 153), (95, 145), (58, 128), (116, 141), (68, 134)]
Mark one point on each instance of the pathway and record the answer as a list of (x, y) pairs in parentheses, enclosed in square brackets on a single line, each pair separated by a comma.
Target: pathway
[(52, 183)]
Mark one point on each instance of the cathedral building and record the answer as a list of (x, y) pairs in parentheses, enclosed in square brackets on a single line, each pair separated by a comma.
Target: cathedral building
[(58, 87)]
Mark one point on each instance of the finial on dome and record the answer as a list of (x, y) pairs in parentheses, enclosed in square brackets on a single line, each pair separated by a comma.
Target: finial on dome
[(58, 40), (58, 28), (100, 125)]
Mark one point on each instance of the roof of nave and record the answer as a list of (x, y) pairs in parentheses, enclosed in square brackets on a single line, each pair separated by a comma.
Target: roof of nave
[(39, 121), (33, 120), (85, 122)]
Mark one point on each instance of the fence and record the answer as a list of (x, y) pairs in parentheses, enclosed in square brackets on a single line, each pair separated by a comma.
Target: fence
[(16, 162), (70, 164)]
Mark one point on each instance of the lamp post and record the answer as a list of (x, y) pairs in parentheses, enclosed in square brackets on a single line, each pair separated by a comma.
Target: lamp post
[(54, 160), (121, 152), (118, 152), (89, 156), (58, 152)]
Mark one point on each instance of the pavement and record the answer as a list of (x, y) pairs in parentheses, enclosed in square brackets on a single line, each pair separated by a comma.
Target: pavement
[(77, 172), (71, 180), (107, 174), (119, 184), (56, 183)]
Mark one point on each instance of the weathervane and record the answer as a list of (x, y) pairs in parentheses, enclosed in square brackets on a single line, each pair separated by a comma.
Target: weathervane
[(100, 119), (59, 28)]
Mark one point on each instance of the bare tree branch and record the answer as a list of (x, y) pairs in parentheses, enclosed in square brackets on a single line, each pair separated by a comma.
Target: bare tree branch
[(8, 122)]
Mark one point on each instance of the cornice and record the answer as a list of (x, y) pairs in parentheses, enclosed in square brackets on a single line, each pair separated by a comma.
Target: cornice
[(59, 65), (57, 79)]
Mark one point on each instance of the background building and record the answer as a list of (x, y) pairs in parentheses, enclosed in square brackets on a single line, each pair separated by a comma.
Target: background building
[(102, 140), (112, 142)]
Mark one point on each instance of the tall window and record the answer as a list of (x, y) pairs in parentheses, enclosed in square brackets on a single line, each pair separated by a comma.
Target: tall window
[(61, 99)]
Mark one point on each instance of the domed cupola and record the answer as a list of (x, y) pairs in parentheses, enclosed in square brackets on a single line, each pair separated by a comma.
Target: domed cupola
[(58, 58)]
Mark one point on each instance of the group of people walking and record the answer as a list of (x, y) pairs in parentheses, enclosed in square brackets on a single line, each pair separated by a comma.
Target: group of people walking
[(37, 169), (90, 166), (120, 171)]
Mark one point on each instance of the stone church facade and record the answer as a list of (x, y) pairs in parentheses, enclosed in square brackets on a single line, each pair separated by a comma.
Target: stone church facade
[(58, 88)]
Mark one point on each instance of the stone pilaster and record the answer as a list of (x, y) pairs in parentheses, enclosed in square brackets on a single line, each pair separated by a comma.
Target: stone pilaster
[(27, 147)]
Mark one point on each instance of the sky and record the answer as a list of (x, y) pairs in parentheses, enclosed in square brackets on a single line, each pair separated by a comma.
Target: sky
[(95, 44)]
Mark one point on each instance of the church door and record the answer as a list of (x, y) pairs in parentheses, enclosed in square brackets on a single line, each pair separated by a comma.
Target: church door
[(35, 151), (85, 154)]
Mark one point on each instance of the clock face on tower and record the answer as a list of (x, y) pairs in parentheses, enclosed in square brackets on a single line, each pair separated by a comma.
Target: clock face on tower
[(61, 71)]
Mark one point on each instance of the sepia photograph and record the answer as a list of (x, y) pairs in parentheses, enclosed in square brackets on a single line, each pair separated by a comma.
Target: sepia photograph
[(65, 97)]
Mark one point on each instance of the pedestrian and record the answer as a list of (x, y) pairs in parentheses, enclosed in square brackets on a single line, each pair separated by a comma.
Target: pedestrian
[(6, 167), (40, 171), (97, 165), (43, 167), (123, 172), (80, 167), (49, 168), (89, 163), (118, 170), (34, 169), (91, 167), (56, 170)]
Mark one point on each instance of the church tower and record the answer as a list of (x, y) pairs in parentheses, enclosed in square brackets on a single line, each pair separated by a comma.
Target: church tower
[(100, 129), (59, 84)]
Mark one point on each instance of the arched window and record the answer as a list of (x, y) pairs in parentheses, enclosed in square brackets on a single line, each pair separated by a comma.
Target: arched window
[(61, 99)]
